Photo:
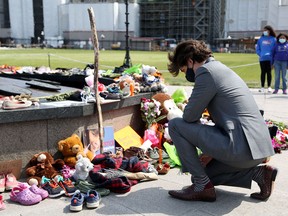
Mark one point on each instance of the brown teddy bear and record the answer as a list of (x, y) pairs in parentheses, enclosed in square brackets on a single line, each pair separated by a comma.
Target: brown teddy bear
[(43, 164), (71, 147)]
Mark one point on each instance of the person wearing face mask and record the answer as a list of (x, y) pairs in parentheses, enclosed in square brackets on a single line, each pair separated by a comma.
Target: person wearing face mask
[(264, 48), (238, 142), (279, 61)]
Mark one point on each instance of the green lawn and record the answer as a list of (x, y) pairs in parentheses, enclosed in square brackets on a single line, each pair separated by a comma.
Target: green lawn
[(245, 65)]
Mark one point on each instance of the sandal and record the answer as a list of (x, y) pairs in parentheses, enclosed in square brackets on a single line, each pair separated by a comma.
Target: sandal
[(163, 168), (24, 196), (15, 104), (36, 190)]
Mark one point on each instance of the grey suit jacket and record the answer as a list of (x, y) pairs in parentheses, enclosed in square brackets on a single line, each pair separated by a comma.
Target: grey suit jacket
[(232, 107)]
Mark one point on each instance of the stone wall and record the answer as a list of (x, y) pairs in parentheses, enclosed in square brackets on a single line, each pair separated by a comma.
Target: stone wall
[(26, 132)]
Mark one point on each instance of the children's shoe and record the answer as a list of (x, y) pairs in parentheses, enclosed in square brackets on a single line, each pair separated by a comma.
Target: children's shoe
[(262, 90), (24, 196), (36, 190), (164, 154), (153, 153), (68, 186), (53, 189), (284, 92), (77, 201), (92, 199), (275, 91), (2, 204), (11, 181), (2, 183)]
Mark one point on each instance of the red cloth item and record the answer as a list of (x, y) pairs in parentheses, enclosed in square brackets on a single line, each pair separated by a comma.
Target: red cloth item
[(105, 161), (117, 185)]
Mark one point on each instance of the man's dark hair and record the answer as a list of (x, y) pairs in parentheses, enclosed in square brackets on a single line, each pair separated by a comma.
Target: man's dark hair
[(193, 49)]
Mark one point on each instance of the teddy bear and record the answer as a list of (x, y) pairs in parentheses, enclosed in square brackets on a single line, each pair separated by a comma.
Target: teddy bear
[(43, 164), (82, 168), (71, 147), (168, 107)]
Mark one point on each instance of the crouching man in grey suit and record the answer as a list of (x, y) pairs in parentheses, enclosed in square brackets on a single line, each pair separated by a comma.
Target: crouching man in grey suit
[(238, 143)]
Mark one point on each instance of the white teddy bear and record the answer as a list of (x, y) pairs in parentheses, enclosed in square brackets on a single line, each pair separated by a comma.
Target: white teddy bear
[(82, 168)]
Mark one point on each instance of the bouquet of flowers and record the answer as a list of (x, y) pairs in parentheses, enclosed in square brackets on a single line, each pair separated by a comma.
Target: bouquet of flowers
[(150, 109), (279, 135)]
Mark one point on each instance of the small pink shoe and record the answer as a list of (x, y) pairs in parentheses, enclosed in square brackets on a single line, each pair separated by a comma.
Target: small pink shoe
[(36, 190), (2, 204), (11, 181), (24, 196), (2, 183)]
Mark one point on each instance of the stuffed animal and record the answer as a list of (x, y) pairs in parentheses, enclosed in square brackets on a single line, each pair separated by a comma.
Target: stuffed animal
[(71, 147), (168, 107), (90, 82), (150, 80), (127, 85), (82, 168), (43, 164), (180, 98)]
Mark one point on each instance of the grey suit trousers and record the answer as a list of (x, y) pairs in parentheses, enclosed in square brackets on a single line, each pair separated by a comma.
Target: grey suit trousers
[(226, 168)]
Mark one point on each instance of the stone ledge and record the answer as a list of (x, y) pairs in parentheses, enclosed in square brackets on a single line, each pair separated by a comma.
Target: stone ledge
[(66, 109)]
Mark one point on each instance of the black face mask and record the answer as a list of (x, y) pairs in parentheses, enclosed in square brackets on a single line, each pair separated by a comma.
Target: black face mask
[(190, 75)]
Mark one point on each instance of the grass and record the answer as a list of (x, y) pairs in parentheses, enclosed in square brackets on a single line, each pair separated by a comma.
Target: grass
[(245, 65)]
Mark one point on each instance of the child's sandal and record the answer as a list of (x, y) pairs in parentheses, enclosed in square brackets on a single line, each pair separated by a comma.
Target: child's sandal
[(24, 196)]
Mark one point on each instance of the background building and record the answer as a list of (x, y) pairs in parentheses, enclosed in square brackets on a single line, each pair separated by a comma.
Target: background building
[(244, 22), (186, 19), (64, 21), (247, 18), (153, 24)]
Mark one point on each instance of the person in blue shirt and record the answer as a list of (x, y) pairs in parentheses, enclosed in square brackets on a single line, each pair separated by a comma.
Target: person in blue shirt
[(264, 48), (279, 61)]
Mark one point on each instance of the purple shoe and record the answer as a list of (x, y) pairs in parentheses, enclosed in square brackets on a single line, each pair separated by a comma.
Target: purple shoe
[(24, 196), (36, 190)]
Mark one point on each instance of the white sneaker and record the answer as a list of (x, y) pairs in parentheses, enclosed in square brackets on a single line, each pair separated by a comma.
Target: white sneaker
[(269, 89), (262, 90)]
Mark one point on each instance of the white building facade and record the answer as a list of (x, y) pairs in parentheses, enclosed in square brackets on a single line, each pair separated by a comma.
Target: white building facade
[(246, 18), (71, 20)]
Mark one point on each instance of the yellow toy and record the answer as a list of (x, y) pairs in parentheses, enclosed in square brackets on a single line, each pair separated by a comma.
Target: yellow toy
[(71, 147)]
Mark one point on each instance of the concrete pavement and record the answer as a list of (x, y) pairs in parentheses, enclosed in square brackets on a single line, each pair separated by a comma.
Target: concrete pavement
[(151, 198)]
